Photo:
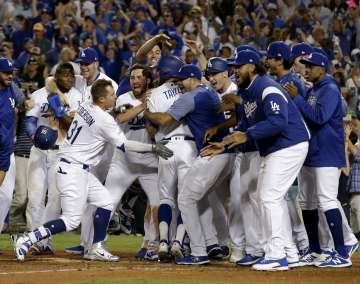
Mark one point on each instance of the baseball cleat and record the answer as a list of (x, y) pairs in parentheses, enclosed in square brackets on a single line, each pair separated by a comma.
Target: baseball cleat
[(193, 260), (214, 252), (140, 255), (236, 255), (309, 258), (22, 246), (351, 249), (176, 249), (225, 251), (98, 252), (335, 261), (78, 250), (39, 249), (271, 264), (164, 251), (151, 255), (248, 260)]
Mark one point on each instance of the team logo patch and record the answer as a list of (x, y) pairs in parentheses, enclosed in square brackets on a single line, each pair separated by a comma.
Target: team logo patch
[(312, 100), (12, 102), (249, 108), (275, 107)]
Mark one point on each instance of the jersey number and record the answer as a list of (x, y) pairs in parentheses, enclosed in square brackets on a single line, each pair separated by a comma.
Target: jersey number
[(70, 134)]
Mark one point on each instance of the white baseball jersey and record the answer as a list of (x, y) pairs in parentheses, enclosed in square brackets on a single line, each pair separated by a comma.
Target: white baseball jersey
[(160, 100), (233, 88), (88, 134), (84, 88), (135, 129), (41, 105)]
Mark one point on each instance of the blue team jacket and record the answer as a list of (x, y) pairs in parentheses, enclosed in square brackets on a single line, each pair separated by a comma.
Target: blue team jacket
[(322, 110), (270, 117)]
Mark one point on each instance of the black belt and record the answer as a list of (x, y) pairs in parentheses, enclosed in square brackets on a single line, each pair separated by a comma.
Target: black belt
[(174, 138), (85, 167), (23, 156), (54, 147)]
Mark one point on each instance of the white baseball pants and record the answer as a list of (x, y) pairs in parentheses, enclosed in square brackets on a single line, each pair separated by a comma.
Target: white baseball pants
[(6, 191), (205, 174), (277, 173), (79, 187)]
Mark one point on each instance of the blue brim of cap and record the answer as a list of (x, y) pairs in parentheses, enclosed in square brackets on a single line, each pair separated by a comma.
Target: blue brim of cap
[(234, 63), (304, 61), (83, 61), (7, 70)]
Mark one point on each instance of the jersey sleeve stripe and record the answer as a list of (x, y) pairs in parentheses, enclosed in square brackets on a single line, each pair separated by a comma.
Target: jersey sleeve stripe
[(272, 90)]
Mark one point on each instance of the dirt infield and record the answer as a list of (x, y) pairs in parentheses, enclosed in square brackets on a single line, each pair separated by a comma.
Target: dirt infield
[(63, 268)]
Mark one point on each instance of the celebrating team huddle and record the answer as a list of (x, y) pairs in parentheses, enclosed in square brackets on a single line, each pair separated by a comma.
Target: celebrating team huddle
[(216, 153)]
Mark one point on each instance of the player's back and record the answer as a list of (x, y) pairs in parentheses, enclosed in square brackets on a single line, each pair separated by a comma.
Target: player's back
[(160, 100), (88, 134)]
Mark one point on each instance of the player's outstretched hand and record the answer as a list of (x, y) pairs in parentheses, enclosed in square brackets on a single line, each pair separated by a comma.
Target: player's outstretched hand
[(161, 150), (291, 89), (215, 148), (236, 138)]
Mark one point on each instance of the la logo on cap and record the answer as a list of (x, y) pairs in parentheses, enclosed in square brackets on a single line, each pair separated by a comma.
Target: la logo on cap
[(192, 74), (310, 56), (10, 64), (209, 64), (82, 54), (250, 60)]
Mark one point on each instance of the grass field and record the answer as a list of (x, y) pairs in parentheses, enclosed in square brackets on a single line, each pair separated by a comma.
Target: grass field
[(63, 268)]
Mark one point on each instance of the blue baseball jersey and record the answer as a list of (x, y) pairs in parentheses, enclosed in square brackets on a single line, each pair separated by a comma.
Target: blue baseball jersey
[(199, 109), (8, 101), (323, 113), (270, 118), (293, 78)]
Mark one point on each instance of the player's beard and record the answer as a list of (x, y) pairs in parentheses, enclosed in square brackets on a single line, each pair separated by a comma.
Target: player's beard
[(243, 82)]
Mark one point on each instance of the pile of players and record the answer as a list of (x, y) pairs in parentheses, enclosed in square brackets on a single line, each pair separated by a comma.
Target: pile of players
[(216, 153)]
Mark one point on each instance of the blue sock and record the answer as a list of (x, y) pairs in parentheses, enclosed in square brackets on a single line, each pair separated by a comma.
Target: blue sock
[(165, 213), (311, 222), (334, 220), (47, 230), (179, 220), (101, 222)]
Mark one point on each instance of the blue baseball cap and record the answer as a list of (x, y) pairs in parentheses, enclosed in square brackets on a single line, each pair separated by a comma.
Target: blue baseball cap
[(189, 71), (301, 49), (317, 59), (216, 65), (6, 65), (246, 57), (278, 49), (88, 55)]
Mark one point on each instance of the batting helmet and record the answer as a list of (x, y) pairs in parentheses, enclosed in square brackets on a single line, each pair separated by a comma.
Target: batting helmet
[(169, 66), (45, 137), (216, 65)]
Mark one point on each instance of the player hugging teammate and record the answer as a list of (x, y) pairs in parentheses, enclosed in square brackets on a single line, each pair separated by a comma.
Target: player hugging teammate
[(236, 140)]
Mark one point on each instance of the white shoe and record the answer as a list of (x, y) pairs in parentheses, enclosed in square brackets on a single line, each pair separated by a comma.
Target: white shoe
[(271, 264), (293, 261), (163, 251), (22, 244), (236, 255), (309, 259), (176, 249), (98, 252)]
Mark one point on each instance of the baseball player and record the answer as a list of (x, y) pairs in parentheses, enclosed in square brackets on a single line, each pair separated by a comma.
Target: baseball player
[(125, 168), (301, 51), (89, 68), (171, 172), (198, 107), (244, 226), (323, 112), (42, 163), (90, 130), (217, 73), (271, 119), (279, 63), (8, 102)]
